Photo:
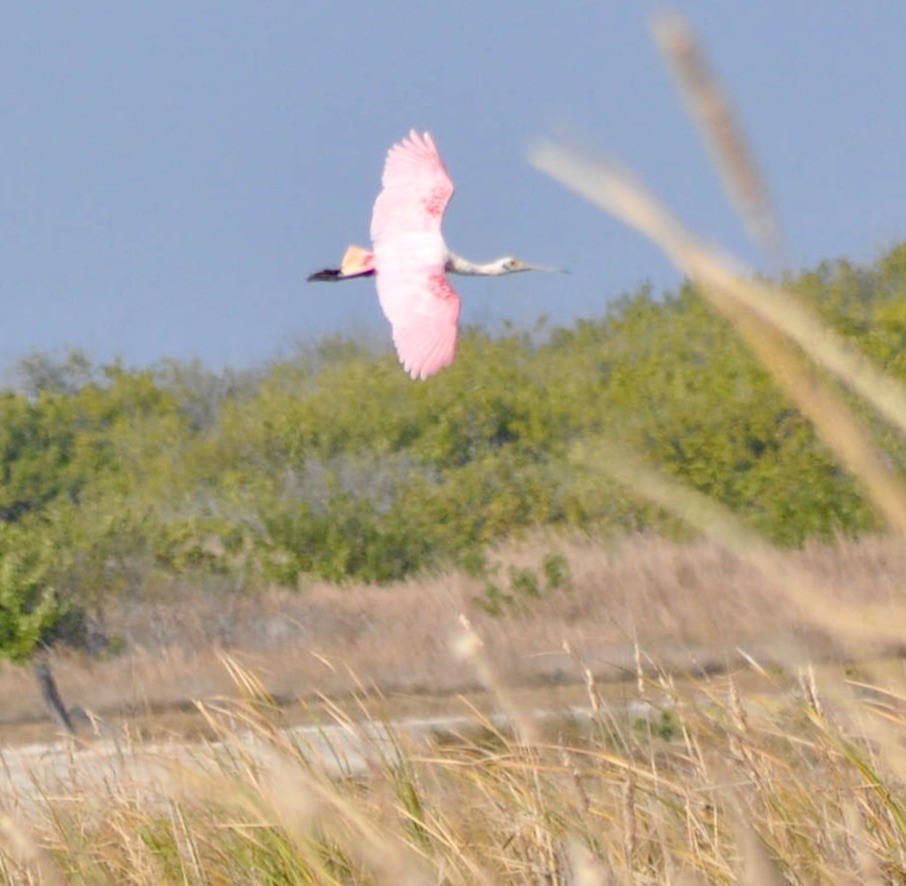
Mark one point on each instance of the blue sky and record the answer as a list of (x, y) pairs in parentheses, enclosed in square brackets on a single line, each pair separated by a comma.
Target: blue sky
[(170, 172)]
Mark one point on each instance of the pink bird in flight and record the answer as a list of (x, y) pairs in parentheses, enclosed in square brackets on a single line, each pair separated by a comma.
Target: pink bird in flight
[(410, 260)]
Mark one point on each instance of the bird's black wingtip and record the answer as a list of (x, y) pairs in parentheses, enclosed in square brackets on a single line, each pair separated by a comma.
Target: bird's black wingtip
[(328, 274)]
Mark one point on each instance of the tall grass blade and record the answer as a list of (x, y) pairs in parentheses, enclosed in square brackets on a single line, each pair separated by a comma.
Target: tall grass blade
[(614, 190), (711, 110), (736, 298)]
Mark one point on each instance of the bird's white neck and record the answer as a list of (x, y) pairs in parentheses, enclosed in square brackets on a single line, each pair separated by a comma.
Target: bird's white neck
[(456, 264)]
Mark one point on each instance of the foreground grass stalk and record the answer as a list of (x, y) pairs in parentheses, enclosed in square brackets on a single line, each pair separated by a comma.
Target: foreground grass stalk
[(859, 625), (762, 317), (711, 110), (614, 190)]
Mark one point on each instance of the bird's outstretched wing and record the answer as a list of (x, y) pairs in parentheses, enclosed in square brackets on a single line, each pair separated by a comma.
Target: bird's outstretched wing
[(410, 255), (416, 189)]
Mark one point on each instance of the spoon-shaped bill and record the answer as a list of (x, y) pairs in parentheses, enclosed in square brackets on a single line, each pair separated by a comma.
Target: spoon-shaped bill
[(530, 266)]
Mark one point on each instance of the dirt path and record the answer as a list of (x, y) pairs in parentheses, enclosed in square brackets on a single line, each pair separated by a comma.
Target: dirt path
[(344, 738)]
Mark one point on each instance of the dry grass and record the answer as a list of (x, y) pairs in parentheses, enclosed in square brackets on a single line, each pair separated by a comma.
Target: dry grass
[(693, 780), (691, 606)]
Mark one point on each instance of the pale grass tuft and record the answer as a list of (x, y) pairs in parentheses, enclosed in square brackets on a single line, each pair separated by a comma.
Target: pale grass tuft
[(21, 856)]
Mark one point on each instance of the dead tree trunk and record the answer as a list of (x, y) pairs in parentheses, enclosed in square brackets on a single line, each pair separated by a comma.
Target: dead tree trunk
[(51, 695)]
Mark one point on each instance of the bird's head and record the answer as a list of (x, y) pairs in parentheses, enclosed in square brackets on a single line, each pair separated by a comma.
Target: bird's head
[(510, 265)]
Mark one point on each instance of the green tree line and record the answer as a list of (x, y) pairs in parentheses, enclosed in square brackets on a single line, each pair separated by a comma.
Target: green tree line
[(332, 463)]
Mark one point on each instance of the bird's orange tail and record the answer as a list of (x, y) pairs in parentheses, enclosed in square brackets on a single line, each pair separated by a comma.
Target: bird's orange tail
[(357, 262)]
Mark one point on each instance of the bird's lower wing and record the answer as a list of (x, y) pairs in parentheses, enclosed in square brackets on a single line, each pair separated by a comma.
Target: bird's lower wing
[(423, 310)]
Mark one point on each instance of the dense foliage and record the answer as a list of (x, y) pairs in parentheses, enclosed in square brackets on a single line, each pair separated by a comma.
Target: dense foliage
[(333, 463)]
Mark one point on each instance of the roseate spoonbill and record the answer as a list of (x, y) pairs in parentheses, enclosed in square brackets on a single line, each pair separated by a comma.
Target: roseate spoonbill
[(410, 260)]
